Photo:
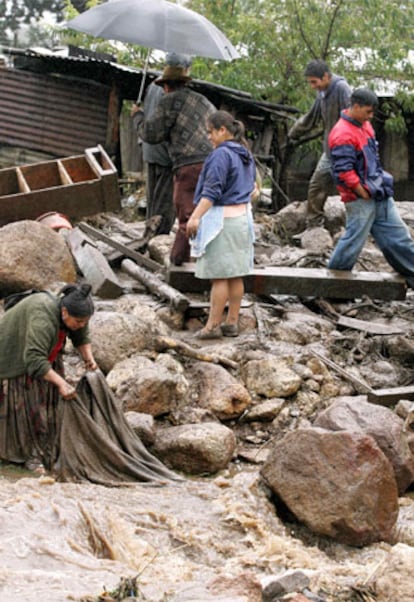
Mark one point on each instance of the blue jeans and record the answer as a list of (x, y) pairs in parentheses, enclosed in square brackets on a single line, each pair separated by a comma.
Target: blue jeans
[(382, 220)]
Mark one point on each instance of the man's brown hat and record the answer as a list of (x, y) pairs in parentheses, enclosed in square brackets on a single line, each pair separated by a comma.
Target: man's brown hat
[(173, 73)]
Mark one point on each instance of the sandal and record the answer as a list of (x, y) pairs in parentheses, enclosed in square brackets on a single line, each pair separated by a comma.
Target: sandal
[(230, 330), (214, 333)]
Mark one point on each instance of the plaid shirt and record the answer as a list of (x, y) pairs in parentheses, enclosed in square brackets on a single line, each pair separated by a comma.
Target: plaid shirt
[(180, 119)]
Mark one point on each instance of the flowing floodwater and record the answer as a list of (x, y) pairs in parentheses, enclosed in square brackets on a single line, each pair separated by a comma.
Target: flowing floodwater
[(65, 541)]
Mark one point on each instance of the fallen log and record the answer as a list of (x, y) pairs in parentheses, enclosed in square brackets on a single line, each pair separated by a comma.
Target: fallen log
[(155, 285), (162, 343)]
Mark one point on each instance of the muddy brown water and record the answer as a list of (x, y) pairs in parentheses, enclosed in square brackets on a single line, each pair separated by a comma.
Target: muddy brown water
[(66, 541)]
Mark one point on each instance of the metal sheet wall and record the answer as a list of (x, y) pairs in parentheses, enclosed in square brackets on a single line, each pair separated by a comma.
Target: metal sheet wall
[(53, 114)]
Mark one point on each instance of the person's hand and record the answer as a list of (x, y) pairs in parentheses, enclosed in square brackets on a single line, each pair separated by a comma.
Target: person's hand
[(192, 226), (90, 364), (135, 108), (67, 391)]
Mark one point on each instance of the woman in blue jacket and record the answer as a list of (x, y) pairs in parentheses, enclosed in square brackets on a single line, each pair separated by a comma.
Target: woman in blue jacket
[(221, 225)]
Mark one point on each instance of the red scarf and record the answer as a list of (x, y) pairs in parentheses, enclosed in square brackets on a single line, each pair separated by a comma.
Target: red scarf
[(60, 342)]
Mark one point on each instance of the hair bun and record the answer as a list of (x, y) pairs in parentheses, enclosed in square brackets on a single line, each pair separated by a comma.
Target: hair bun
[(77, 299), (85, 289)]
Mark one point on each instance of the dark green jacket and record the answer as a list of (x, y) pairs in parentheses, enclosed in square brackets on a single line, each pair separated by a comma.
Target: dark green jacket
[(29, 332)]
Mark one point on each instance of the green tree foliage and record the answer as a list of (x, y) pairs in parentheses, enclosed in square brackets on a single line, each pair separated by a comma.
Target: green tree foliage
[(15, 13), (368, 41)]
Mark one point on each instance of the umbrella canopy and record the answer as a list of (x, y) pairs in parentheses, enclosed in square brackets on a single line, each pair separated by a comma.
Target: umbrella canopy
[(156, 24)]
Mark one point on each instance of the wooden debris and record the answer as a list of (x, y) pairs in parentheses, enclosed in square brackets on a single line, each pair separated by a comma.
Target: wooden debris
[(390, 397), (162, 343), (93, 265), (140, 259), (139, 244), (155, 285), (77, 186), (360, 385), (370, 327), (303, 282)]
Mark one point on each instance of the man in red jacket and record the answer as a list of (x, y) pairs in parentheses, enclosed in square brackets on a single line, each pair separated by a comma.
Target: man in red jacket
[(367, 191)]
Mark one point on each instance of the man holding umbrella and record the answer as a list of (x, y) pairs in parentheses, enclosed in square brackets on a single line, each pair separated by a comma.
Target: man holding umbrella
[(159, 180), (179, 119)]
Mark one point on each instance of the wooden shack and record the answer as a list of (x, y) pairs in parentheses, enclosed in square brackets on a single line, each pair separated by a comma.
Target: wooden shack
[(75, 102)]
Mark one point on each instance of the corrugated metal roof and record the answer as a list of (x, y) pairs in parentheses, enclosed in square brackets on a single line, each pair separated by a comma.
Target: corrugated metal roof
[(43, 112), (128, 79)]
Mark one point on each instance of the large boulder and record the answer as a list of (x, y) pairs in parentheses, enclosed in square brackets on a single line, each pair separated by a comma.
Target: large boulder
[(359, 416), (118, 335), (339, 484), (143, 385), (33, 256)]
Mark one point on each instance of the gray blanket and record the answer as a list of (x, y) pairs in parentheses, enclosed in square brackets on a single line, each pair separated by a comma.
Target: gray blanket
[(97, 444)]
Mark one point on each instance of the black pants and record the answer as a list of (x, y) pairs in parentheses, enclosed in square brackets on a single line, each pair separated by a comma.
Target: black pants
[(160, 196)]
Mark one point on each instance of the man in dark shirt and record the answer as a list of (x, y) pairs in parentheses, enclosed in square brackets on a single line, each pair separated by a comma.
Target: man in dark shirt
[(333, 95), (159, 176), (180, 119)]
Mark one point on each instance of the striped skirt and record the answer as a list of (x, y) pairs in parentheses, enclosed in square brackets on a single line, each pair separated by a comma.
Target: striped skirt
[(29, 420)]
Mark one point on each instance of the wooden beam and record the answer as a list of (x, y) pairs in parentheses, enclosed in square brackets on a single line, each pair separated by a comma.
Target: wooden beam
[(390, 397), (140, 259), (303, 282)]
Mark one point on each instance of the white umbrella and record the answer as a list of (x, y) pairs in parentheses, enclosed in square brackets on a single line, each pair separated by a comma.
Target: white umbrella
[(156, 24)]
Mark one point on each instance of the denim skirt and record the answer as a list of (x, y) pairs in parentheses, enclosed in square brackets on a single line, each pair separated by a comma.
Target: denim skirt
[(230, 253)]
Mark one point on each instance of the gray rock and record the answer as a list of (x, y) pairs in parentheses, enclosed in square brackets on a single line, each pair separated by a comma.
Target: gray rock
[(271, 378), (33, 256), (289, 582), (143, 425), (196, 448), (116, 336), (145, 386)]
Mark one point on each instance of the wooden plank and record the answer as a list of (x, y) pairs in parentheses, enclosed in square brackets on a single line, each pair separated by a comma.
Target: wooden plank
[(390, 397), (64, 176), (303, 282), (370, 327), (140, 259), (23, 185), (93, 265)]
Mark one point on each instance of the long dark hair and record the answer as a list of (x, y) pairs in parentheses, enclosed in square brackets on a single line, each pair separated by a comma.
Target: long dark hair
[(234, 126)]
